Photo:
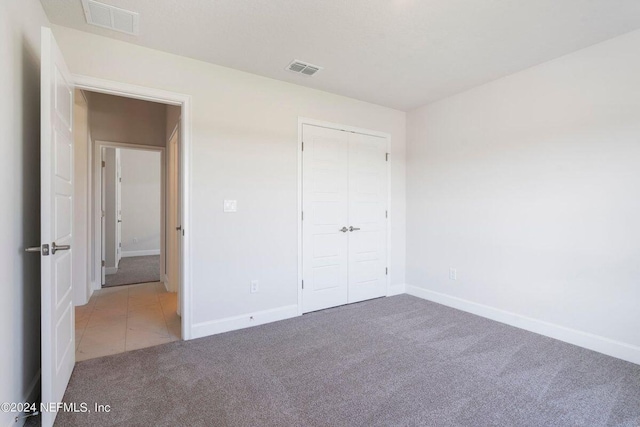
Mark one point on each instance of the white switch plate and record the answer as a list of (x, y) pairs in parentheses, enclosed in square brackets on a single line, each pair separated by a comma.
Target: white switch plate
[(255, 286), (453, 274), (230, 205)]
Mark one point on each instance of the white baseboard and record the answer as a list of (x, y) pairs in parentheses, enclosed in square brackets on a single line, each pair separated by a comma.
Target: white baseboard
[(213, 327), (165, 281), (110, 270), (593, 342), (126, 254), (32, 394), (396, 289)]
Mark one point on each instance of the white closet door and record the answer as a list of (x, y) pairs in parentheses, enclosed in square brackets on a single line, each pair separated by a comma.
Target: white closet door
[(325, 207), (367, 217)]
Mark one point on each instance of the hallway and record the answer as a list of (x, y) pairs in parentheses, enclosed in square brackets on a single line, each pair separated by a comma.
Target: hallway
[(126, 318), (133, 270)]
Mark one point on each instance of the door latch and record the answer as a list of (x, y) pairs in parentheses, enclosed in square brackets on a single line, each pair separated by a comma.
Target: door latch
[(44, 249)]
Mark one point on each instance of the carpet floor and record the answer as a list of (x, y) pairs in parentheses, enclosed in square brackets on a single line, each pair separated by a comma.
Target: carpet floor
[(398, 361), (135, 269)]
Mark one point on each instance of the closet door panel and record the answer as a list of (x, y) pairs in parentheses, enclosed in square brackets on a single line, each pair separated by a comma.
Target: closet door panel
[(325, 165), (367, 216)]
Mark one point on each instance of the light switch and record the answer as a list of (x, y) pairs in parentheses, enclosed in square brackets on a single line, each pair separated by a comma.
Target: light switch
[(230, 205)]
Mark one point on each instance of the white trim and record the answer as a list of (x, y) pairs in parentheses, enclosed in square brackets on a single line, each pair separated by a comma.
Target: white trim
[(244, 321), (149, 252), (306, 121), (110, 270), (396, 289), (184, 101), (593, 342)]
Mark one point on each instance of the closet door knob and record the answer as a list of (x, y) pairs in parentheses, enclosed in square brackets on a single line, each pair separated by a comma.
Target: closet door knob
[(344, 229), (352, 228)]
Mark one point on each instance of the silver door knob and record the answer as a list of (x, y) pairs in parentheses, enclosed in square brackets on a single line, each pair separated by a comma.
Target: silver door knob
[(55, 248), (352, 228), (344, 229)]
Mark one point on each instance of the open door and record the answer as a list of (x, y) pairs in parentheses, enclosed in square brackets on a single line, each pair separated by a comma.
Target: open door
[(56, 223), (118, 207), (103, 216), (173, 214)]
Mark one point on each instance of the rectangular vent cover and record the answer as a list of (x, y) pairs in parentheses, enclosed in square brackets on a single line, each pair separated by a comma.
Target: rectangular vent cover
[(302, 67), (113, 18)]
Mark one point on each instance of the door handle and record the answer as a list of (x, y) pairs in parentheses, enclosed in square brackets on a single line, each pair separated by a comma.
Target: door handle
[(344, 229), (55, 248), (119, 220), (178, 228), (352, 228)]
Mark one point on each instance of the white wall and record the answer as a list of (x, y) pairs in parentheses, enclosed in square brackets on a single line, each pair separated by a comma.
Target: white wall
[(20, 22), (529, 187), (244, 148), (81, 280), (141, 202)]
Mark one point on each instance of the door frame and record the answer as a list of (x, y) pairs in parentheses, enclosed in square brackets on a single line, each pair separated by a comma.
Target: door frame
[(307, 121), (98, 188), (184, 101)]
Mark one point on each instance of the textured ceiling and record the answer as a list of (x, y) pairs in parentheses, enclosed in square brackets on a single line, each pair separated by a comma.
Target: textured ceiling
[(397, 53)]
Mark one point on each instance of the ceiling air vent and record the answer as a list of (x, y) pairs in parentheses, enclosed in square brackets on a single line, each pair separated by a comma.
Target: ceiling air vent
[(113, 18), (301, 67)]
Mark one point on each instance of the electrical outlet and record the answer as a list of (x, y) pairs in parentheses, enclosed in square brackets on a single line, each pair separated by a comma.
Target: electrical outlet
[(453, 274), (254, 286)]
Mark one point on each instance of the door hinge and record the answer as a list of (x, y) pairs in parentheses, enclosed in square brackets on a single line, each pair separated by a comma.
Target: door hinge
[(302, 217), (103, 263), (104, 163), (302, 145), (386, 157), (303, 284), (386, 214), (386, 271)]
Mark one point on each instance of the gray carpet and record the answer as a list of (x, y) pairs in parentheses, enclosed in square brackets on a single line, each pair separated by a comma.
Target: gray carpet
[(135, 269), (398, 361)]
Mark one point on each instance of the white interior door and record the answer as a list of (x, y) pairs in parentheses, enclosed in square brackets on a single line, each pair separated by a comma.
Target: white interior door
[(325, 206), (103, 215), (179, 212), (344, 227), (174, 228), (367, 217), (118, 207), (58, 348)]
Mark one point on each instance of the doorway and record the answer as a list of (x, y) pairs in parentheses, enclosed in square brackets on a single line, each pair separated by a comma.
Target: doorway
[(131, 197), (133, 304)]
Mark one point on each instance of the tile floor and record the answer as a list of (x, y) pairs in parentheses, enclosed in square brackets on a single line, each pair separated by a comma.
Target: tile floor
[(126, 318)]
